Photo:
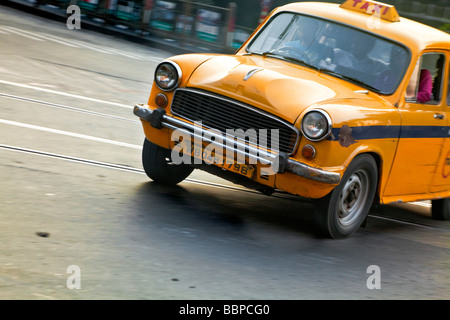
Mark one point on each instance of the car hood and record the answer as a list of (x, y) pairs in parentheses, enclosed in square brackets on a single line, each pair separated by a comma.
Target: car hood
[(272, 85)]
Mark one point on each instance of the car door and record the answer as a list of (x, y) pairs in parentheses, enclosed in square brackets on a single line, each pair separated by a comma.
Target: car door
[(441, 181), (423, 133)]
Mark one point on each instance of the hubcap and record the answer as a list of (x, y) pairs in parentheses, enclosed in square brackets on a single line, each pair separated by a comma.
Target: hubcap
[(353, 197)]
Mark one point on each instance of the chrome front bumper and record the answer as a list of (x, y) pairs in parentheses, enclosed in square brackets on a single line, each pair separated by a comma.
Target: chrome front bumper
[(158, 119)]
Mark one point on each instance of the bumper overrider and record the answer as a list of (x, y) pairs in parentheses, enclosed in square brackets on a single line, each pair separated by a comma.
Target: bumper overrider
[(158, 119)]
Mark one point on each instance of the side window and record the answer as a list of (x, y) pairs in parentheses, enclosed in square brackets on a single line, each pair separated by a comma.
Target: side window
[(426, 82)]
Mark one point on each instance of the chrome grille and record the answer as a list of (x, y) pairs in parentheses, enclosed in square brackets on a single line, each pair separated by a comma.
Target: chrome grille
[(221, 113)]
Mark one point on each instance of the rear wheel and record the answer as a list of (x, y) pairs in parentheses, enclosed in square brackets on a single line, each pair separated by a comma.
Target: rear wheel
[(159, 167), (440, 209), (344, 210)]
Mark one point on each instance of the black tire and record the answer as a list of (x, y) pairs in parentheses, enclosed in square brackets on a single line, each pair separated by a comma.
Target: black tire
[(440, 209), (344, 210), (158, 165)]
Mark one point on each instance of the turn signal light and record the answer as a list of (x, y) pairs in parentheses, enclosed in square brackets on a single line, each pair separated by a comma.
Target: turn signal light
[(308, 152), (161, 100)]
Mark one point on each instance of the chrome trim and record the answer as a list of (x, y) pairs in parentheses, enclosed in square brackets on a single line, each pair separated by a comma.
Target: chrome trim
[(251, 73), (240, 104), (198, 133), (179, 72), (262, 156), (329, 123), (312, 173), (263, 160)]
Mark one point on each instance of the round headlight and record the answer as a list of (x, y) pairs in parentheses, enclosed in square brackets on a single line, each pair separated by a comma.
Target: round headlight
[(168, 76), (316, 125)]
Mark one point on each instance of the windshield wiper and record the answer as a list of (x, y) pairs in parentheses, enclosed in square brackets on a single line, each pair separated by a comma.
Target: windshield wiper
[(273, 54), (348, 78)]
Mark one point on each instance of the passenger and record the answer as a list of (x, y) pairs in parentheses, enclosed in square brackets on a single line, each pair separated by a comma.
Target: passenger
[(354, 53), (424, 88), (389, 79)]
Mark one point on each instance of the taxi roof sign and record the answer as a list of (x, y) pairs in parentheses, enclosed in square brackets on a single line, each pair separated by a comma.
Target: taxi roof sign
[(382, 10)]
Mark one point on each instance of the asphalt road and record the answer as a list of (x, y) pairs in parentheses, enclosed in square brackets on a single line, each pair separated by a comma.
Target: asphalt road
[(80, 220)]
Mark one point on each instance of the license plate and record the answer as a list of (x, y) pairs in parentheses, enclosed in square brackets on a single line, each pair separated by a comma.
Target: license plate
[(210, 158)]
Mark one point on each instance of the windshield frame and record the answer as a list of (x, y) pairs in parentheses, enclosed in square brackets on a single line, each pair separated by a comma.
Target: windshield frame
[(343, 24)]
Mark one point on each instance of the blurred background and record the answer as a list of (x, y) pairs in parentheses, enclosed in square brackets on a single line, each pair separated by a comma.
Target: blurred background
[(207, 25)]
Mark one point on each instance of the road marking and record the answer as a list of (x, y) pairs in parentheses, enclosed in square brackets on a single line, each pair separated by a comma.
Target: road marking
[(70, 134), (126, 54), (82, 44), (45, 37), (39, 36), (64, 94), (20, 33)]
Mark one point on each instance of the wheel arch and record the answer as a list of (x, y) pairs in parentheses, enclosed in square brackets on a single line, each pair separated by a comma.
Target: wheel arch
[(378, 160), (377, 156)]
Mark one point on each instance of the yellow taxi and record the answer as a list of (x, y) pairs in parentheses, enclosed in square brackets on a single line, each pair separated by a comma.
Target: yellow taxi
[(344, 104)]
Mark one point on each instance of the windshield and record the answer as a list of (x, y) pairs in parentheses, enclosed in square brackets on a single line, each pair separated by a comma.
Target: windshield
[(351, 54)]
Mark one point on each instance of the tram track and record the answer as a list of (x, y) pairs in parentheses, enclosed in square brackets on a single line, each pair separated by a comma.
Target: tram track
[(130, 169), (65, 107), (111, 166)]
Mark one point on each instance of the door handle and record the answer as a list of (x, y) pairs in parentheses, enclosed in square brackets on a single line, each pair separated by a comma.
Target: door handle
[(439, 116)]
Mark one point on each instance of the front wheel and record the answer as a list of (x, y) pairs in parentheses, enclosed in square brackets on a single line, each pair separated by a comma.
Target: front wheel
[(158, 165), (344, 210)]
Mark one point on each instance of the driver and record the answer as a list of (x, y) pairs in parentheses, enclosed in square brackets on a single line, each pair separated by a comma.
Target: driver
[(303, 38)]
